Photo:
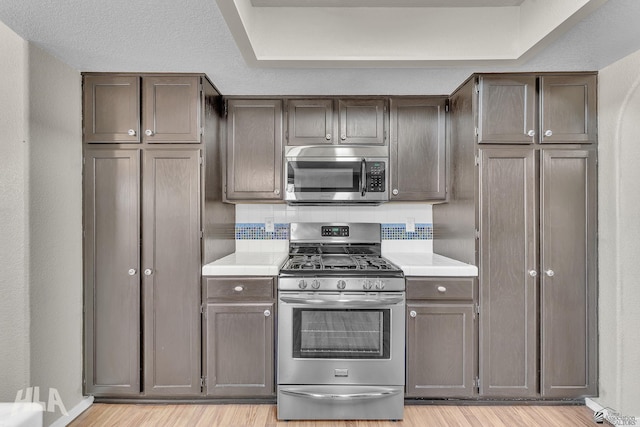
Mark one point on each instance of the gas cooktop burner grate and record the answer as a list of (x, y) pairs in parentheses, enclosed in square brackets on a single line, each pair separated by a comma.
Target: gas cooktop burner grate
[(338, 263)]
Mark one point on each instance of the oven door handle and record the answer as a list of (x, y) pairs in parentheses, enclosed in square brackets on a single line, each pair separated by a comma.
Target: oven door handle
[(345, 396), (360, 301)]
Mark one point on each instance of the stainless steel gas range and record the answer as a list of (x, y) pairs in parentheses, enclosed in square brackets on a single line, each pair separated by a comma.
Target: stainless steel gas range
[(341, 326)]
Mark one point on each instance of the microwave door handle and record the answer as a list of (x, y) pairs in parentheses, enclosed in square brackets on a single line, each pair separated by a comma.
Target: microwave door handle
[(363, 177)]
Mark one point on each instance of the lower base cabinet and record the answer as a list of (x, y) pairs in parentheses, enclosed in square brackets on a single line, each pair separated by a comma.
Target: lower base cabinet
[(239, 336), (441, 337)]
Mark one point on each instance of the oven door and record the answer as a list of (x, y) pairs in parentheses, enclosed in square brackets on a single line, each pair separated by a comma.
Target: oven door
[(341, 338), (340, 179)]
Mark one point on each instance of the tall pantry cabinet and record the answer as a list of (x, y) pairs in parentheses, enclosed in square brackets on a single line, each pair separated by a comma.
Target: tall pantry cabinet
[(143, 159), (527, 217)]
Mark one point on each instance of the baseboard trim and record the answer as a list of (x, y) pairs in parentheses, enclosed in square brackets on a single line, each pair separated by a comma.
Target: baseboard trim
[(74, 412), (593, 405)]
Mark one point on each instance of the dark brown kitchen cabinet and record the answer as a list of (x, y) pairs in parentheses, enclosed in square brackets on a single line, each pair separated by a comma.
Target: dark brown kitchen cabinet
[(254, 150), (112, 271), (239, 333), (512, 273), (171, 275), (170, 109), (508, 260), (526, 215), (310, 122), (417, 149), (362, 121), (441, 337), (568, 262), (526, 109), (142, 271)]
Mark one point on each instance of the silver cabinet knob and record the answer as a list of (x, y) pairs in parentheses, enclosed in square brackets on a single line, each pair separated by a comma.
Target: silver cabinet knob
[(132, 272), (442, 289), (148, 272), (412, 313), (267, 313), (395, 192), (550, 273), (533, 273), (328, 136), (276, 191), (131, 132), (531, 133), (343, 136), (548, 132), (148, 132), (239, 288)]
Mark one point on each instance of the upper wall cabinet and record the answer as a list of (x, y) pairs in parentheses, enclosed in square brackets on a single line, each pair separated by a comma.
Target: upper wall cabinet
[(170, 109), (254, 150), (310, 122), (517, 109), (417, 149), (361, 121), (320, 121)]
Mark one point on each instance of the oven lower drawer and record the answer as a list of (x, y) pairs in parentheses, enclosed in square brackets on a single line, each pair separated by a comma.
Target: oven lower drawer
[(331, 402)]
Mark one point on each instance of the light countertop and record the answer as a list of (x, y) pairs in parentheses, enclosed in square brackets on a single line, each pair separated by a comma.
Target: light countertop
[(430, 264), (246, 264)]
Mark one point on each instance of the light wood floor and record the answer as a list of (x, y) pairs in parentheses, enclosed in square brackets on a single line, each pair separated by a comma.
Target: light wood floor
[(101, 414)]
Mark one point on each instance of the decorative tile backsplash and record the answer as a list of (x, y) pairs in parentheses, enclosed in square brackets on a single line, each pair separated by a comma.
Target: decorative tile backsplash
[(393, 217)]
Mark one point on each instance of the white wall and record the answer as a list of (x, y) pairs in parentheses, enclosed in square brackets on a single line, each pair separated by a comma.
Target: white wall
[(55, 227), (619, 235), (14, 295)]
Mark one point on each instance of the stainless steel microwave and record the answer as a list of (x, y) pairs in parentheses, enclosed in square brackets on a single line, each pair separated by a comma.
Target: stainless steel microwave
[(335, 174)]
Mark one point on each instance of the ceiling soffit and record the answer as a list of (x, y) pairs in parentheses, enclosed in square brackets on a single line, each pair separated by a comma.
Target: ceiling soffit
[(301, 33)]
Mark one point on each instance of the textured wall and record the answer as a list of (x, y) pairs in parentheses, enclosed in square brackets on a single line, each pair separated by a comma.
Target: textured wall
[(55, 227), (619, 235), (14, 300)]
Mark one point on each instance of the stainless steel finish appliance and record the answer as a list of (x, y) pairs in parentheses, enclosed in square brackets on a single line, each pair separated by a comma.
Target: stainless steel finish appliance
[(341, 326), (336, 174)]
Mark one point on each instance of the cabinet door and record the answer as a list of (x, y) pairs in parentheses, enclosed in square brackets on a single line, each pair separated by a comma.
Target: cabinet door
[(240, 352), (310, 122), (507, 110), (111, 272), (254, 149), (417, 150), (568, 109), (568, 278), (171, 109), (440, 350), (507, 280), (171, 275), (111, 109), (361, 121)]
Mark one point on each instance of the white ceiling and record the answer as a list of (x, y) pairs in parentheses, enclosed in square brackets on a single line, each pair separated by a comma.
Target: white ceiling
[(382, 36), (192, 36)]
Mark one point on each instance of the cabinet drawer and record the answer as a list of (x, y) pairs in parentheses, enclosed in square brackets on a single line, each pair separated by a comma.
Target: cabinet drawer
[(440, 288), (239, 288)]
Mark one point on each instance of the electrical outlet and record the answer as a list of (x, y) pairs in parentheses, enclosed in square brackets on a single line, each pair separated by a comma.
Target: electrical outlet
[(269, 227), (410, 225)]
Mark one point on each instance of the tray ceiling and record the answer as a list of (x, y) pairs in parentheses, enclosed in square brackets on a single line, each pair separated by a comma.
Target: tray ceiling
[(396, 33)]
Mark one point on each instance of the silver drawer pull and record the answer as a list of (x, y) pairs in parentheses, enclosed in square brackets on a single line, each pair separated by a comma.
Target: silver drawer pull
[(267, 313), (412, 313), (239, 288), (442, 289)]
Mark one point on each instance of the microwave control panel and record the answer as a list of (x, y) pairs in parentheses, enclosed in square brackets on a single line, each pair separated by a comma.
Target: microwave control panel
[(376, 177)]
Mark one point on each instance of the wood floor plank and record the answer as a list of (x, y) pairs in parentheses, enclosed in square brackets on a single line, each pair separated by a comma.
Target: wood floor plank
[(228, 415)]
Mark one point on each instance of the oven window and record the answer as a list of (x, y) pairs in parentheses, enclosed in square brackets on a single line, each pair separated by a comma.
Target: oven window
[(341, 333), (324, 176)]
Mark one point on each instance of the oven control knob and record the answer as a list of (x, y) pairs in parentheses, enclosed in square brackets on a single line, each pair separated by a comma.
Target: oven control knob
[(302, 284), (367, 284), (379, 284), (342, 284), (315, 284)]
